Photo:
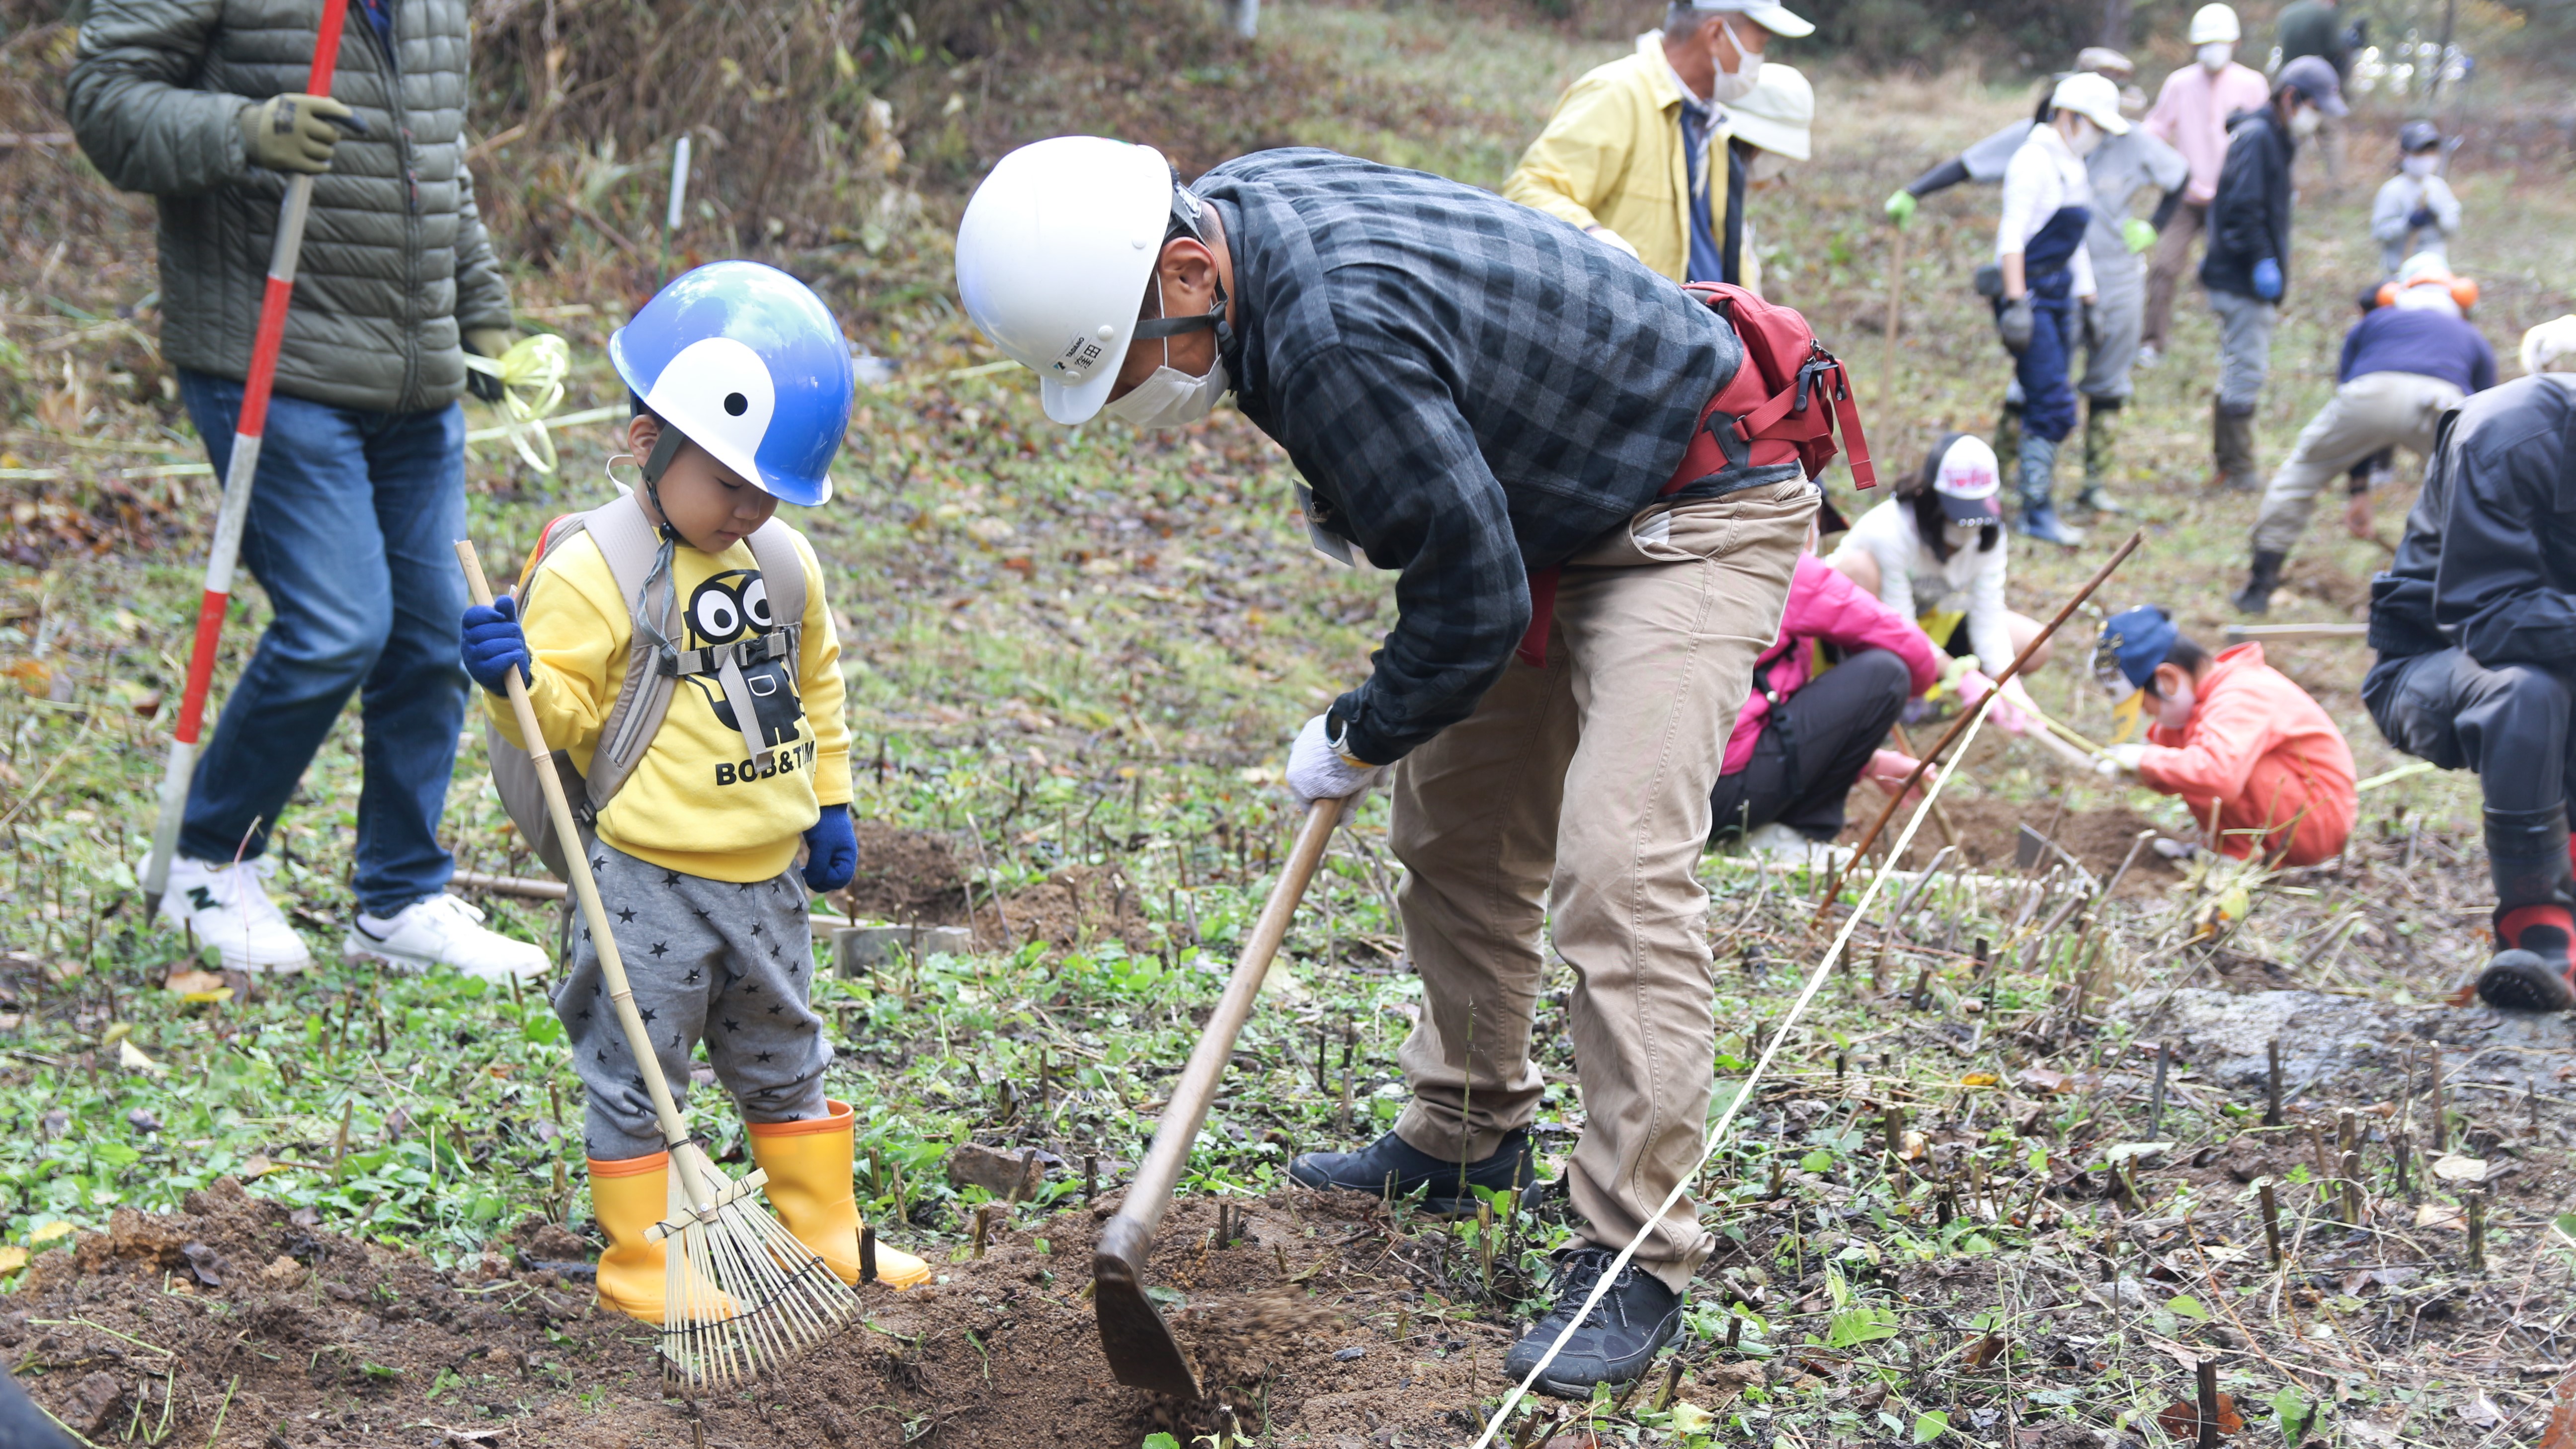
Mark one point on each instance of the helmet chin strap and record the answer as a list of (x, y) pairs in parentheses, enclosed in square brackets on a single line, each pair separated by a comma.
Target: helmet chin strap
[(1213, 320), (666, 446)]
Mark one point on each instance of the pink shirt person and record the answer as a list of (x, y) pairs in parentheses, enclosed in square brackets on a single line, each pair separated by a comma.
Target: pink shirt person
[(2191, 114), (1824, 605)]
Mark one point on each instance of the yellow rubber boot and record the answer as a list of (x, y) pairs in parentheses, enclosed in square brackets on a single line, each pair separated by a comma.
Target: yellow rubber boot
[(631, 1195), (809, 1183)]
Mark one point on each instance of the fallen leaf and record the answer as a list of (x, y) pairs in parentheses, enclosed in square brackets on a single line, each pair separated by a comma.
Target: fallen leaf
[(2560, 1433), (1690, 1418), (203, 1265), (2181, 1419), (2041, 1079), (131, 1057), (180, 983), (2370, 1431), (2126, 1150), (2480, 1412), (34, 676), (48, 1232), (12, 1258), (2454, 1168), (1984, 1350), (257, 1165), (1980, 1079), (2437, 1215)]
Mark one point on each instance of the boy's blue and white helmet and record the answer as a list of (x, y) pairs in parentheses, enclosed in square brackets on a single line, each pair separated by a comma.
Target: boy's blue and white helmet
[(747, 363)]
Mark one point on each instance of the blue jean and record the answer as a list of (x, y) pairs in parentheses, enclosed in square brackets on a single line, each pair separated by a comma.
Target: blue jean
[(353, 520)]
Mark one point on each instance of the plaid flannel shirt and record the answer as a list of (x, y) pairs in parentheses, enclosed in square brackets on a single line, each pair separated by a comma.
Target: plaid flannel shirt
[(1473, 389)]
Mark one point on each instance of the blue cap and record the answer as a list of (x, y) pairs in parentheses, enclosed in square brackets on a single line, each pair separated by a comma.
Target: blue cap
[(2133, 643)]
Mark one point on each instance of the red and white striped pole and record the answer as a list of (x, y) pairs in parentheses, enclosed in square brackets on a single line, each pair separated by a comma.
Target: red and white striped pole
[(235, 512)]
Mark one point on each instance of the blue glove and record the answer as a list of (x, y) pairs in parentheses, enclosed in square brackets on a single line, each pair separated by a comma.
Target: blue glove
[(494, 642), (832, 851), (2423, 217), (2267, 280)]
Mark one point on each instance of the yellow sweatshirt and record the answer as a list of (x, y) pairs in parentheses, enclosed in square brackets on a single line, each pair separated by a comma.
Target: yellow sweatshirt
[(693, 804)]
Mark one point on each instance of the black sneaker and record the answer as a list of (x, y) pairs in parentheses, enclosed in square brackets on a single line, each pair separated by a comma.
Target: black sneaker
[(1616, 1341), (1370, 1169)]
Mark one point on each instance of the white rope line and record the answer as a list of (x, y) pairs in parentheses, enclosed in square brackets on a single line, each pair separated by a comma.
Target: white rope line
[(1744, 1093)]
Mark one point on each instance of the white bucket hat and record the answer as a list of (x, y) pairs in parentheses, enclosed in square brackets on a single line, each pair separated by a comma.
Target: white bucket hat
[(1777, 113)]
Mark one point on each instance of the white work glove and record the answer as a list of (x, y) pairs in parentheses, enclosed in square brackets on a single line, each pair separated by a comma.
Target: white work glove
[(2014, 714), (2118, 760), (1611, 239), (1317, 771)]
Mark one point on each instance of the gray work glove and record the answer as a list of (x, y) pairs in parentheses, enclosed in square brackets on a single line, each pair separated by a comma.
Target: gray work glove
[(2014, 324), (295, 132)]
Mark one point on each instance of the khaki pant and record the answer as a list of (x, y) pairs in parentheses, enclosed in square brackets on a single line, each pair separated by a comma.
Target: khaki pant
[(2373, 411), (2171, 258), (1576, 800)]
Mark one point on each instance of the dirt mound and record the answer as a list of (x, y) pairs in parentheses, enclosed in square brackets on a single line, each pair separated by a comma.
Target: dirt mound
[(904, 876), (1077, 905), (1989, 830), (234, 1311)]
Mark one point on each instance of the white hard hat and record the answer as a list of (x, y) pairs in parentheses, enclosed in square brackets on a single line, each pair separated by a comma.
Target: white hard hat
[(1776, 114), (2094, 97), (2215, 25), (1053, 257)]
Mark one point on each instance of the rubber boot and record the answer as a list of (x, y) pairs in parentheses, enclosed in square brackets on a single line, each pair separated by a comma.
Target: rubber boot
[(2038, 476), (2101, 430), (629, 1196), (2256, 596), (2535, 915), (2008, 445), (2232, 444), (809, 1167)]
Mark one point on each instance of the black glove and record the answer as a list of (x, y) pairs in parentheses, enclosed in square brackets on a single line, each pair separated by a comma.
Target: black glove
[(2422, 218), (2014, 323), (488, 342)]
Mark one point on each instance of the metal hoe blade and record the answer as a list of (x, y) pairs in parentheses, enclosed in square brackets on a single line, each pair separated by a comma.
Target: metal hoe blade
[(1134, 1337)]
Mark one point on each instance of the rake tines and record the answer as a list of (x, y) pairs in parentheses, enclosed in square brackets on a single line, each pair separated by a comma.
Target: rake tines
[(743, 1296)]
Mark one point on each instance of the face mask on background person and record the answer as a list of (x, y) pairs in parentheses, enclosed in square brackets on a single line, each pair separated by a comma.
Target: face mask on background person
[(1766, 166), (2215, 56), (1735, 85), (2419, 167), (2084, 138), (2304, 122)]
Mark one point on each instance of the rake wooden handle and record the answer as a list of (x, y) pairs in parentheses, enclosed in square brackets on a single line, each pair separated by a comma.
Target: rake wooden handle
[(639, 1042)]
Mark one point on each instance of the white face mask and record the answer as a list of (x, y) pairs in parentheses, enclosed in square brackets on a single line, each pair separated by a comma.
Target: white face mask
[(2215, 55), (1735, 85), (2084, 138), (2174, 711), (1766, 166), (1170, 397), (2419, 167), (2304, 122)]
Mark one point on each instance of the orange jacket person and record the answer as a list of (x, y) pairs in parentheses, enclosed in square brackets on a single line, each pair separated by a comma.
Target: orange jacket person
[(2262, 767)]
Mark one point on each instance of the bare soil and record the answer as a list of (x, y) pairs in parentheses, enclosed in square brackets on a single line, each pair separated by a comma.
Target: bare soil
[(1989, 828), (905, 876), (292, 1337)]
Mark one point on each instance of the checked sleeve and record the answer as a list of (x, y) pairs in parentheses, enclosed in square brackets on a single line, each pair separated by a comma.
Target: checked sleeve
[(1380, 436)]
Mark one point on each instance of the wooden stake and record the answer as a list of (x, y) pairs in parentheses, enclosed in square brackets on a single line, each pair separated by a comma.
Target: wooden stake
[(2476, 1203), (2271, 1223), (1090, 1176), (867, 1254), (2400, 1148), (2272, 1083), (2352, 1201), (2209, 1403), (2441, 1139), (2156, 1098), (1672, 1383)]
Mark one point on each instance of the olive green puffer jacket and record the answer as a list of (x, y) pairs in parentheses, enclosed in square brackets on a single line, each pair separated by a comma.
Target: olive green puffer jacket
[(395, 263)]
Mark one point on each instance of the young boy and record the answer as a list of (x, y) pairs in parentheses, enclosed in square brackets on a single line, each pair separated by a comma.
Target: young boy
[(741, 384), (2263, 768)]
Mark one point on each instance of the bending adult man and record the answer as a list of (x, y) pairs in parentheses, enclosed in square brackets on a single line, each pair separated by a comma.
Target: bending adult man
[(2248, 266), (1497, 407), (1635, 153), (2190, 115), (361, 482), (2405, 364), (2475, 623)]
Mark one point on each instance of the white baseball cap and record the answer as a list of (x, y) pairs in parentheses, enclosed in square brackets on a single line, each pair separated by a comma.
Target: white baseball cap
[(2093, 96), (1967, 482), (1771, 15)]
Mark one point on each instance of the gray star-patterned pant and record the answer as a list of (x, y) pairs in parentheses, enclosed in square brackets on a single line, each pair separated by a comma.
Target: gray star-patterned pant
[(709, 960)]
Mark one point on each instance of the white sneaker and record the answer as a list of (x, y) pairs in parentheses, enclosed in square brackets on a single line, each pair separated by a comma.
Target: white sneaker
[(1784, 845), (228, 908), (2147, 356), (442, 931)]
